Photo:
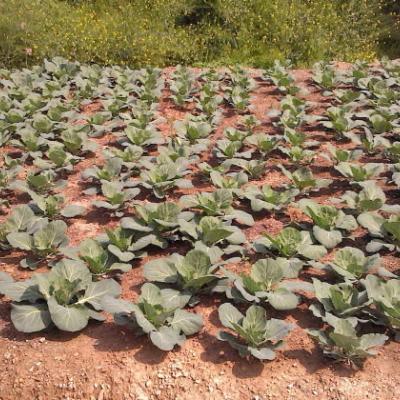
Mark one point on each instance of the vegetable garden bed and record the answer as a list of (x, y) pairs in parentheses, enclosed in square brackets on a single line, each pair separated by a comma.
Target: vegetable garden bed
[(221, 229)]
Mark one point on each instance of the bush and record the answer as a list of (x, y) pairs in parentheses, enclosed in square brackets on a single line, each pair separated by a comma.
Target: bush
[(390, 42), (159, 32)]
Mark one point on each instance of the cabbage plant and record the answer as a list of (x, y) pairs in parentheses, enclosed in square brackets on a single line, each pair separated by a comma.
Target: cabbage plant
[(214, 236), (297, 154), (329, 222), (359, 173), (235, 135), (393, 152), (255, 334), (337, 154), (343, 300), (253, 168), (352, 264), (263, 143), (53, 206), (290, 242), (193, 273), (156, 223), (266, 283), (385, 231), (41, 182), (304, 180), (165, 175), (75, 141), (230, 149), (370, 198), (159, 314), (341, 342), (339, 120), (208, 101), (326, 76), (266, 198), (218, 203), (109, 171), (143, 137), (42, 241), (99, 260), (195, 130), (20, 219), (385, 296), (57, 159), (30, 142), (130, 155), (116, 196), (182, 85), (65, 298), (231, 181), (279, 76), (298, 139)]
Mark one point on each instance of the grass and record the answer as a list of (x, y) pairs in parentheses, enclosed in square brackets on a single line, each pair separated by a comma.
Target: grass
[(197, 32)]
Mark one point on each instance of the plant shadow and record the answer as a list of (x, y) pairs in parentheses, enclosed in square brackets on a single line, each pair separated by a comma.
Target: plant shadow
[(217, 352)]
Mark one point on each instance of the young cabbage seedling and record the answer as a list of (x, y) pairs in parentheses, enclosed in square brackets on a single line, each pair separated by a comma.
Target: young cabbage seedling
[(329, 222), (290, 242), (193, 273), (359, 173), (21, 218), (66, 297), (255, 335), (304, 180), (370, 198), (263, 143), (98, 259), (385, 296), (117, 197), (42, 241), (218, 203), (159, 314), (156, 223), (266, 283), (385, 230), (253, 168), (338, 155), (266, 198), (343, 300), (351, 264), (143, 137), (214, 236), (341, 342), (281, 78), (164, 176)]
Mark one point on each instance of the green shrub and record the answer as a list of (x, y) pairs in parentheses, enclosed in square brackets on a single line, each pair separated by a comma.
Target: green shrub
[(159, 32)]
